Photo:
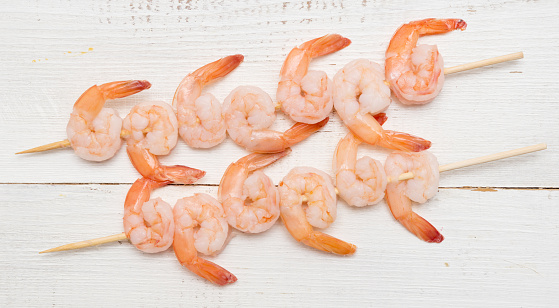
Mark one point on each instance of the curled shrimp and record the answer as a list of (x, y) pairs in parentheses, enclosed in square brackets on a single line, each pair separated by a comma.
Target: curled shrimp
[(201, 123), (318, 189), (148, 166), (152, 126), (416, 73), (306, 96), (94, 131), (249, 111), (148, 224), (424, 185), (359, 93), (361, 181), (251, 203), (200, 226)]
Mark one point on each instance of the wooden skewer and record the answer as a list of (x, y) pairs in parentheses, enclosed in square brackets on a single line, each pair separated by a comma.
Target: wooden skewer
[(480, 160), (88, 243), (486, 62)]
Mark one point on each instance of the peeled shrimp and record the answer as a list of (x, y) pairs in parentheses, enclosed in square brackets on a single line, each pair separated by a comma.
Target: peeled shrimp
[(200, 226), (249, 111), (359, 93), (148, 166), (361, 181), (320, 211), (94, 131), (307, 96), (152, 126), (424, 185), (251, 203), (148, 224), (416, 73), (201, 123)]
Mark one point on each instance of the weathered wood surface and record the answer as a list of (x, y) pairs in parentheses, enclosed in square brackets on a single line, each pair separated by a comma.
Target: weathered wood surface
[(500, 246)]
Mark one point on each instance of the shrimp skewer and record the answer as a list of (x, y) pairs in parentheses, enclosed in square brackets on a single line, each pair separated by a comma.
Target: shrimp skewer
[(359, 93), (148, 223), (200, 226), (94, 132), (249, 111), (305, 96), (318, 189), (201, 123), (251, 203)]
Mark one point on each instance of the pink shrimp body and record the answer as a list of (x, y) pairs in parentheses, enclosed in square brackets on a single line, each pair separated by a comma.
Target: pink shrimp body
[(251, 203), (416, 74), (200, 226), (306, 96), (359, 93), (360, 182), (249, 111), (201, 123), (318, 189), (424, 185), (148, 224), (94, 131)]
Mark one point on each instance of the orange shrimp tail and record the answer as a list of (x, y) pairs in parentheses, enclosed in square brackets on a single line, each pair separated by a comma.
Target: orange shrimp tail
[(435, 26), (325, 45), (403, 142), (256, 161), (180, 174), (325, 242), (381, 118), (421, 228), (217, 69), (301, 131), (119, 89), (211, 272)]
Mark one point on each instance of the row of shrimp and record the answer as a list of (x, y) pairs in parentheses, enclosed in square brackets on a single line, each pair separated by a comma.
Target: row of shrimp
[(248, 200)]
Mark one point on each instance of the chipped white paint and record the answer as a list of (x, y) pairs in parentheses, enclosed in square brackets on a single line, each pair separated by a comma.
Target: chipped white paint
[(500, 246)]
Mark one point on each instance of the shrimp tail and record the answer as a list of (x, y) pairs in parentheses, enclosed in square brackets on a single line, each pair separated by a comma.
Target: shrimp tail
[(119, 89), (403, 142), (301, 131), (435, 26), (325, 45), (211, 272), (325, 242), (256, 161), (181, 174), (381, 118), (421, 228), (217, 69)]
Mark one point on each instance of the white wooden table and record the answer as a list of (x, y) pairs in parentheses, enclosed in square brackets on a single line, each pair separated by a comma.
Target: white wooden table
[(500, 220)]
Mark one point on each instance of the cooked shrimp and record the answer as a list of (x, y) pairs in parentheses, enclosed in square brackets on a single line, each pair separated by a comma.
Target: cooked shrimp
[(360, 92), (148, 166), (307, 96), (201, 123), (152, 126), (200, 226), (148, 224), (360, 182), (251, 203), (320, 211), (94, 131), (424, 185), (415, 73), (249, 111)]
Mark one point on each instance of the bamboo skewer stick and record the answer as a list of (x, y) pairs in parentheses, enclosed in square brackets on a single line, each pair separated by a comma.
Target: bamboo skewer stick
[(486, 62), (402, 177)]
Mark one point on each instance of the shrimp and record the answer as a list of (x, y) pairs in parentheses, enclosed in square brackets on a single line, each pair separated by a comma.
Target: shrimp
[(359, 182), (94, 131), (201, 123), (249, 111), (149, 225), (251, 203), (317, 187), (307, 96), (424, 185), (360, 92), (416, 73), (152, 126), (200, 225), (148, 166)]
